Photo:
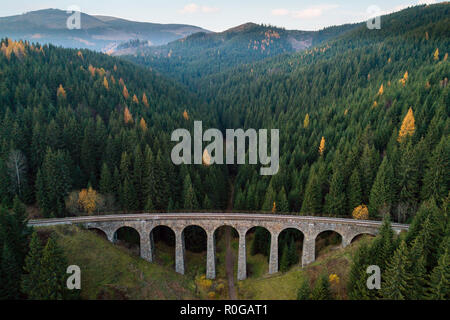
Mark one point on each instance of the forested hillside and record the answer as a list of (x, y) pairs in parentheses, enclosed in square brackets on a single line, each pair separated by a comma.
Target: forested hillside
[(203, 54), (84, 132), (363, 119), (363, 122)]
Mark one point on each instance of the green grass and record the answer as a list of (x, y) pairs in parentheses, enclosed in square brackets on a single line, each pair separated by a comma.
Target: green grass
[(284, 286), (111, 272)]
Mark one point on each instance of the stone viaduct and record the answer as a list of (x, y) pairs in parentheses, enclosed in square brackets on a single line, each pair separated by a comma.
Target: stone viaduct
[(144, 224)]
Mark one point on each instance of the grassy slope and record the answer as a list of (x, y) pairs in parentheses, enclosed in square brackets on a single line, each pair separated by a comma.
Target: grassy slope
[(284, 286), (111, 272)]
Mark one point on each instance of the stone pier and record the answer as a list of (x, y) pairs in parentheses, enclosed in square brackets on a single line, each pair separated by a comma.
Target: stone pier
[(211, 256), (309, 251), (242, 257), (180, 257), (273, 260)]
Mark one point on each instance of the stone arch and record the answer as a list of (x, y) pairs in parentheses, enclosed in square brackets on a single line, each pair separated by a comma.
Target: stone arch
[(129, 237), (195, 241), (223, 249), (357, 236), (261, 245), (327, 237), (100, 232), (290, 236), (163, 253)]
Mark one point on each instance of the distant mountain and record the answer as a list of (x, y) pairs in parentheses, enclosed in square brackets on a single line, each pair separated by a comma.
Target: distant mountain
[(101, 33), (207, 53)]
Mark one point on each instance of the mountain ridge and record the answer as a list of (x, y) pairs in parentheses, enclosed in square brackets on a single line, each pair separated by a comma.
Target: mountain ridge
[(98, 32)]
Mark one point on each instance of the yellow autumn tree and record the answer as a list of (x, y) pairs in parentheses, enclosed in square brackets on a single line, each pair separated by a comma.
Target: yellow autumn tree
[(404, 79), (80, 54), (105, 83), (143, 124), (334, 278), (322, 146), (115, 68), (91, 70), (185, 115), (88, 200), (306, 121), (61, 92), (121, 82), (145, 100), (128, 118), (361, 212), (427, 36), (381, 90), (436, 54), (274, 207), (126, 95), (446, 56), (135, 99), (16, 47), (408, 126)]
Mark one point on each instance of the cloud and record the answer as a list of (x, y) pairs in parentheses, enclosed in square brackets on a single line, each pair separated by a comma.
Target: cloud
[(308, 13), (195, 8), (426, 2), (313, 11), (280, 12)]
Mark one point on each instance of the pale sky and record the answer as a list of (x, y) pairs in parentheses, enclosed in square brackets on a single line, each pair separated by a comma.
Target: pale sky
[(220, 15)]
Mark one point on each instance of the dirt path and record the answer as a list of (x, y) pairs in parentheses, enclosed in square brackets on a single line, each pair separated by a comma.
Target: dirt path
[(229, 255)]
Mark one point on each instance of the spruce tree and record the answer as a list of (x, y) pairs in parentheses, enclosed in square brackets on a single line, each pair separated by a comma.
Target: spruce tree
[(397, 283), (357, 282), (190, 198), (335, 200), (381, 195), (417, 271), (207, 204), (354, 190), (440, 279), (9, 274), (149, 183), (304, 292), (312, 200), (368, 165), (282, 202), (106, 181), (138, 178), (436, 179), (52, 278), (321, 289), (407, 181), (269, 199), (31, 285), (162, 185)]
